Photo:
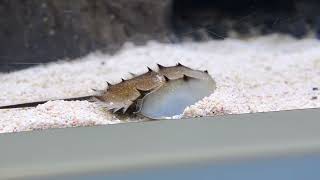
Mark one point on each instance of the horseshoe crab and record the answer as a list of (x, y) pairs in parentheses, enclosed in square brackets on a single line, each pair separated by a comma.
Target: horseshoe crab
[(154, 94)]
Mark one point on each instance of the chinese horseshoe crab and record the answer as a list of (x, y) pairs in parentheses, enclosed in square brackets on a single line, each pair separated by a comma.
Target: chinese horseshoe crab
[(155, 94)]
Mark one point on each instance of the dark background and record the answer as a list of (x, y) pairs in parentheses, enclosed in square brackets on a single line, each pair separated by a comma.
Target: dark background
[(40, 31)]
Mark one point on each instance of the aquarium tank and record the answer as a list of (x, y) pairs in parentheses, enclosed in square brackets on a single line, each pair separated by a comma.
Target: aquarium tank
[(145, 63)]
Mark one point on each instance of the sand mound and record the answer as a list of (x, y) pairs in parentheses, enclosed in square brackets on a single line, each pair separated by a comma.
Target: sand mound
[(270, 73)]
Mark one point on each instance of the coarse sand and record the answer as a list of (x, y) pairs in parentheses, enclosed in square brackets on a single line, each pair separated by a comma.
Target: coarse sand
[(261, 74)]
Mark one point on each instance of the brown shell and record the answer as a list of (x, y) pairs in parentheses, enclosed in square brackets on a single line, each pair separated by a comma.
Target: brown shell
[(128, 94), (125, 94)]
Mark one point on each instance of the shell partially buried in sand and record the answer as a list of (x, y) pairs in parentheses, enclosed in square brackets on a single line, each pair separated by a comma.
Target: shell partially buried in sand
[(158, 94), (155, 94)]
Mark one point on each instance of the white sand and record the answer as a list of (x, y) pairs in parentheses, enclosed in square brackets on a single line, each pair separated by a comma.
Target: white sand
[(263, 74)]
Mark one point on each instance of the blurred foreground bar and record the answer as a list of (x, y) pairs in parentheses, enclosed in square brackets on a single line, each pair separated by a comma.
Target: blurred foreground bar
[(104, 151)]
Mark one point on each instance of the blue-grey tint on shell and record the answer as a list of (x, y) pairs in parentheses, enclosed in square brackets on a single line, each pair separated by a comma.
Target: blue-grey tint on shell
[(173, 97)]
